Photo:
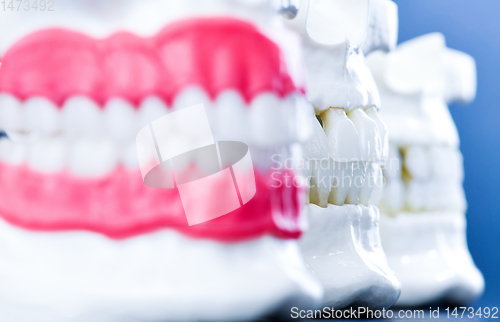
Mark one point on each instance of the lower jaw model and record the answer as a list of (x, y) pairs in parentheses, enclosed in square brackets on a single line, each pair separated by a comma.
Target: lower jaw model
[(423, 225), (82, 238)]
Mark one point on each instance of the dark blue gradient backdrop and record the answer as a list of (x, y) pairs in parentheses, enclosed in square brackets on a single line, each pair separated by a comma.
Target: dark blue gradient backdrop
[(472, 26)]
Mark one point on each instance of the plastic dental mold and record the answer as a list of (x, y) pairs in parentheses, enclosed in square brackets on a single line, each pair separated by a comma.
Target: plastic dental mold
[(423, 226), (348, 148)]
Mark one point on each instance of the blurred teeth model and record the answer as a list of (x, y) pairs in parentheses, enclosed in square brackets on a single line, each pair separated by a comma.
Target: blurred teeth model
[(348, 149), (424, 198), (82, 238)]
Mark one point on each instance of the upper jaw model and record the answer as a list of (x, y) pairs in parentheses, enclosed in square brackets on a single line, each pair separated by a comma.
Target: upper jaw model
[(423, 205), (348, 149), (82, 237)]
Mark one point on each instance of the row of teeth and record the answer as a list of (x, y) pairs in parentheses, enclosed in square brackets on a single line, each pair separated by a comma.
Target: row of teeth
[(423, 178), (266, 121), (346, 154), (90, 141)]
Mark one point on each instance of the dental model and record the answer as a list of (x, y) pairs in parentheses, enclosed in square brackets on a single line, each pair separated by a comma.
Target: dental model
[(349, 147), (82, 238), (423, 206)]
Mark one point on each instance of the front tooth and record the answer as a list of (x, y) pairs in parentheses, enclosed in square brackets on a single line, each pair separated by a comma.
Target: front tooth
[(393, 197), (417, 162), (47, 155), (382, 130), (41, 116), (128, 156), (151, 109), (92, 157), (10, 113), (345, 150), (446, 195), (232, 118), (12, 152), (119, 118), (394, 166), (371, 151), (267, 120), (82, 117), (316, 152)]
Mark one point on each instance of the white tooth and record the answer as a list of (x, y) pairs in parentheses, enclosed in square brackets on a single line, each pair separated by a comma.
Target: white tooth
[(345, 150), (394, 166), (416, 195), (268, 120), (41, 116), (369, 136), (379, 187), (382, 130), (446, 163), (120, 118), (341, 183), (445, 195), (232, 118), (128, 156), (151, 109), (92, 158), (417, 162), (392, 197), (382, 26), (369, 185), (190, 96), (316, 153), (47, 155), (12, 152), (82, 117), (358, 181), (10, 113)]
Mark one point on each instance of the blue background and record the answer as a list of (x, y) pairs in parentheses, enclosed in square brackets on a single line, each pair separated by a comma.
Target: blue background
[(472, 26)]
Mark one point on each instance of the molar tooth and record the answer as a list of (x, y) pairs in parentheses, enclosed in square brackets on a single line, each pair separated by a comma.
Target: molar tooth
[(10, 113), (47, 155), (345, 150), (119, 118), (151, 109), (446, 163), (12, 152), (82, 117), (92, 157), (41, 116), (232, 118), (417, 162)]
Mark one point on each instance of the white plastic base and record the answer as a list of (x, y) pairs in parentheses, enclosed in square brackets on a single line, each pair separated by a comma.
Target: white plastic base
[(428, 252), (81, 276), (342, 248)]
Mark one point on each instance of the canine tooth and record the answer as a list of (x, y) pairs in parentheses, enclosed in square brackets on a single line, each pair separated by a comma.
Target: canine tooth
[(268, 120), (369, 136), (393, 197), (12, 152), (151, 108), (92, 157), (41, 115), (10, 113), (119, 117), (345, 150), (382, 130), (232, 116), (446, 162), (417, 162), (47, 155), (316, 152), (82, 117)]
